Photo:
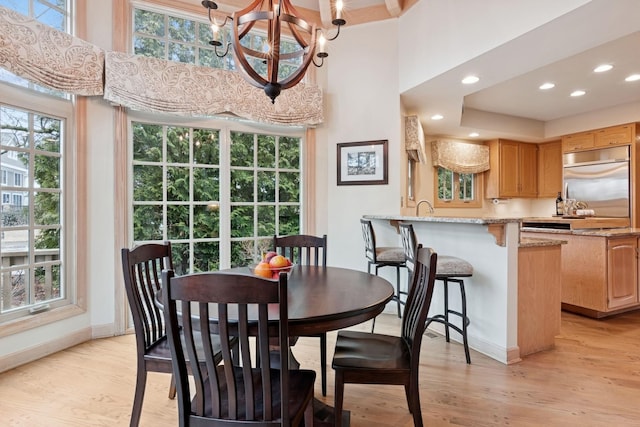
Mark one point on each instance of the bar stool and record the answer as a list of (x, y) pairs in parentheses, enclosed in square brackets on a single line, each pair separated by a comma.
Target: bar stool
[(383, 257), (448, 269)]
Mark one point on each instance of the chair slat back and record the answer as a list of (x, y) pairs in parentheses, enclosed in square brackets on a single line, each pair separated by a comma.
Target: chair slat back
[(419, 300), (245, 306), (302, 249), (142, 268), (369, 238), (410, 245)]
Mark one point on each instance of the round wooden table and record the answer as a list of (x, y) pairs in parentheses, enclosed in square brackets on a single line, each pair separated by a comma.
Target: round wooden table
[(323, 299)]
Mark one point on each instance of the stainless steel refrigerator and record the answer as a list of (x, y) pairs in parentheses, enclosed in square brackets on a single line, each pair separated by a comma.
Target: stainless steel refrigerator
[(599, 178)]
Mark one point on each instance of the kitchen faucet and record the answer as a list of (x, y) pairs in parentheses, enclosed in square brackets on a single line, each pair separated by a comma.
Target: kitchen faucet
[(428, 204)]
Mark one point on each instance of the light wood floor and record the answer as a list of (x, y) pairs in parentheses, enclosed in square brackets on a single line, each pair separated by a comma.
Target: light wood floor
[(591, 378)]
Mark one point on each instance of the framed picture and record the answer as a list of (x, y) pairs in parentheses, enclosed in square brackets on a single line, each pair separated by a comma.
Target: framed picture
[(363, 163)]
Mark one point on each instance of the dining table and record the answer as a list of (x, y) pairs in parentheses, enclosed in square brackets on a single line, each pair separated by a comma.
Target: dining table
[(322, 299)]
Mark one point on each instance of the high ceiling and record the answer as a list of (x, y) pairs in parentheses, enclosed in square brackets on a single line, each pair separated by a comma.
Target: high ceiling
[(507, 102)]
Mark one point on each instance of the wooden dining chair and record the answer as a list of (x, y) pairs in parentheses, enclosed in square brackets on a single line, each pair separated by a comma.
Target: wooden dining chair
[(307, 250), (230, 393), (142, 268), (369, 358)]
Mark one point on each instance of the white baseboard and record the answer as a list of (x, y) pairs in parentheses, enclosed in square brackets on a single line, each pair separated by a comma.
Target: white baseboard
[(103, 331), (41, 350)]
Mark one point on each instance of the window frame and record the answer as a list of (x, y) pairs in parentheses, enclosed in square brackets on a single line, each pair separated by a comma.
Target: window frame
[(225, 128), (72, 246), (456, 202)]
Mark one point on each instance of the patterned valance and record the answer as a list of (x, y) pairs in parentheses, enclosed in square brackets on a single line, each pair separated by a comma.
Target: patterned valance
[(151, 84), (414, 139), (49, 57), (460, 157), (60, 61)]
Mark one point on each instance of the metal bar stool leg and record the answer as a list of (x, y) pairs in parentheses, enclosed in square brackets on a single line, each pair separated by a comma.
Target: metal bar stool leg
[(446, 308), (398, 291), (465, 321)]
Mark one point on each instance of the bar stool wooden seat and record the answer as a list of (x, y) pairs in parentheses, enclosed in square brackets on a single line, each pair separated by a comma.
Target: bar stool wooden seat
[(449, 269), (384, 256)]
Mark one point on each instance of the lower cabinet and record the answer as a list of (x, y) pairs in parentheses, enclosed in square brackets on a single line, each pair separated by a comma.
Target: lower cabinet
[(622, 272), (539, 298), (599, 273)]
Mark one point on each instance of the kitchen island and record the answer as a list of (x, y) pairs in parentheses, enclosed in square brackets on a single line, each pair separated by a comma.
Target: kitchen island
[(493, 246), (599, 269)]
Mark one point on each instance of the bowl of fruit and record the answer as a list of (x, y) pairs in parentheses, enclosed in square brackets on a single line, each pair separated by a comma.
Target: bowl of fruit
[(271, 265)]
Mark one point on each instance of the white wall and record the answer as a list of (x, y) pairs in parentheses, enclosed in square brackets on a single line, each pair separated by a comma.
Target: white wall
[(362, 104)]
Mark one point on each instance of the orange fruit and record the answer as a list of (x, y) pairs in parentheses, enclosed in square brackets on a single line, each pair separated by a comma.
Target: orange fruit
[(278, 261), (263, 270)]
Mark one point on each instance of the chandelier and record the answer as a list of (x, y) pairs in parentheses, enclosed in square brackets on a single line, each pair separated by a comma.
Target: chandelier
[(275, 65)]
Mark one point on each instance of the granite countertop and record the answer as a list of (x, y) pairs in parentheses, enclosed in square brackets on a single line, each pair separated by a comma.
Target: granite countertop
[(446, 219), (610, 232), (602, 232), (529, 242)]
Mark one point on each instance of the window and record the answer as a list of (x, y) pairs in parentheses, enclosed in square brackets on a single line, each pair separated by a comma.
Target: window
[(457, 189), (162, 35), (6, 198), (218, 194), (17, 200), (54, 13), (33, 229), (4, 177)]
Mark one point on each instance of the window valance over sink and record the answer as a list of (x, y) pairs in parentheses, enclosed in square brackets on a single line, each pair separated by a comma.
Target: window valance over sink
[(460, 157)]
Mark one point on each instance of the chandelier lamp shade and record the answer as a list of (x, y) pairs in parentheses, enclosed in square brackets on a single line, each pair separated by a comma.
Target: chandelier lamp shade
[(281, 62)]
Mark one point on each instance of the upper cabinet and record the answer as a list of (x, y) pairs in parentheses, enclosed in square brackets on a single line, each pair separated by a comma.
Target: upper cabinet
[(598, 138), (549, 169), (514, 169), (616, 135), (578, 141)]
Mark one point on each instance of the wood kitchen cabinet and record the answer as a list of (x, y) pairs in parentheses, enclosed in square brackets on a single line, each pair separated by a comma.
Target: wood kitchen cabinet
[(513, 169), (615, 135), (550, 169), (622, 272), (599, 273), (578, 142)]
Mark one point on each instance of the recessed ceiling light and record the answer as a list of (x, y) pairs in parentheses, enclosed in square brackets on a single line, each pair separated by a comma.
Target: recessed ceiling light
[(546, 86), (474, 134), (437, 117), (632, 78), (578, 93), (602, 68), (470, 80)]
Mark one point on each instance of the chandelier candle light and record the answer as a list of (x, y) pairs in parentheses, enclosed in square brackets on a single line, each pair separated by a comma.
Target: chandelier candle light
[(276, 16)]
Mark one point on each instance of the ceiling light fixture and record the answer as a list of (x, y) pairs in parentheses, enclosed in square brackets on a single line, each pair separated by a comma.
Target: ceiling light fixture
[(469, 80), (602, 68), (546, 86), (264, 69), (577, 93), (437, 117), (474, 134), (632, 78)]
